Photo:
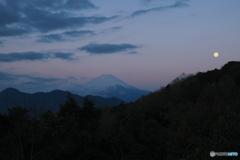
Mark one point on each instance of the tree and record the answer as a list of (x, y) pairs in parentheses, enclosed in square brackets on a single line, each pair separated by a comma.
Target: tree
[(70, 108), (87, 103)]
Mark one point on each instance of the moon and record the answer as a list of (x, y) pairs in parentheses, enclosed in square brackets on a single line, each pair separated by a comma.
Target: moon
[(215, 54)]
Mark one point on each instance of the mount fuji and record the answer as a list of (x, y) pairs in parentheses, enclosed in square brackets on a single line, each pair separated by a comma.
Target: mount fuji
[(108, 86)]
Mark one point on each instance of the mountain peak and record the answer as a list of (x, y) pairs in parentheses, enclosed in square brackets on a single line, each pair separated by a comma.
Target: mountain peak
[(110, 86), (106, 76), (105, 81), (10, 90)]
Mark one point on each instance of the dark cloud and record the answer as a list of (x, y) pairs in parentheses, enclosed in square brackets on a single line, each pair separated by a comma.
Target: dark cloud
[(8, 15), (22, 17), (33, 56), (13, 31), (79, 33), (62, 36), (29, 83), (6, 77), (116, 28), (110, 30), (40, 79), (45, 21), (65, 56), (49, 4), (1, 43), (107, 48), (64, 4), (50, 38), (178, 4)]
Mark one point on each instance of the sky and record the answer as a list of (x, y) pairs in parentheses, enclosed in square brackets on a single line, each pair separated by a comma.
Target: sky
[(58, 44)]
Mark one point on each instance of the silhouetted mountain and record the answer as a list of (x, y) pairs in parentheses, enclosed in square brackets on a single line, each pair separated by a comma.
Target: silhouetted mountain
[(11, 97), (110, 86)]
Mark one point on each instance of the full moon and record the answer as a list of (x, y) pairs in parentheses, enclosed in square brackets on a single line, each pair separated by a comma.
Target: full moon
[(215, 54)]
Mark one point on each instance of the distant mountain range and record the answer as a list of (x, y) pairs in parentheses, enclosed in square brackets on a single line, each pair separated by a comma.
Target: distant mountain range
[(105, 90), (11, 97), (109, 86)]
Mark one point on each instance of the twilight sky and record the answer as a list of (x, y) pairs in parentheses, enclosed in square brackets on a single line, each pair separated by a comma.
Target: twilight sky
[(56, 44)]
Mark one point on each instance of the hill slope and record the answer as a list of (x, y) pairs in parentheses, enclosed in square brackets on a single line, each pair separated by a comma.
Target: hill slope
[(11, 97), (190, 117)]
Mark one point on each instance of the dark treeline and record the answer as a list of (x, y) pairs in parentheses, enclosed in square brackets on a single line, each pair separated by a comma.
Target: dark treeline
[(190, 117)]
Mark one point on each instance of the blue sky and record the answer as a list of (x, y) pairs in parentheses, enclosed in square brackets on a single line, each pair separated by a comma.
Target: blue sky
[(57, 44)]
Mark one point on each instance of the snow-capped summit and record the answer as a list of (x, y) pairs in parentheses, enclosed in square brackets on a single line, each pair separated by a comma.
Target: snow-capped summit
[(105, 81), (110, 86)]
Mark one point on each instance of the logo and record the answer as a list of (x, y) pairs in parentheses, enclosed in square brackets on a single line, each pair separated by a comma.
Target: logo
[(213, 154)]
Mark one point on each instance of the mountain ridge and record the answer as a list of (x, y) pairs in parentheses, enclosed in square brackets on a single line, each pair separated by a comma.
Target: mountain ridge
[(11, 97)]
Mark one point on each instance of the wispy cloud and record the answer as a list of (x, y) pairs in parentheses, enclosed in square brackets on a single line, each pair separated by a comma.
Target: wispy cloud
[(40, 79), (178, 4), (8, 31), (9, 77), (107, 48), (6, 77), (132, 52), (65, 4), (49, 38), (29, 83), (1, 43), (63, 56), (33, 56), (147, 1), (116, 28), (79, 33)]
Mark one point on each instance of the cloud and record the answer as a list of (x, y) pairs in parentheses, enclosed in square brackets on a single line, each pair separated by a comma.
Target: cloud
[(22, 17), (40, 79), (79, 33), (8, 15), (132, 52), (50, 38), (110, 30), (45, 21), (116, 28), (64, 56), (65, 4), (107, 48), (147, 1), (5, 77), (29, 83), (1, 43), (55, 5), (14, 30), (33, 56), (178, 4)]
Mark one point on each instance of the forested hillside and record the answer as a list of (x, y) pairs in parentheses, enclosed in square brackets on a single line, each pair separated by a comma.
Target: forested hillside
[(190, 117), (41, 102)]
